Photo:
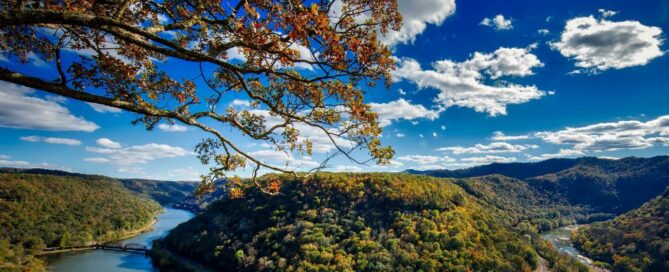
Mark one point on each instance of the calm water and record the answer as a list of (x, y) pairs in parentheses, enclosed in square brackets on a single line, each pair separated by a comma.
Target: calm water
[(113, 261)]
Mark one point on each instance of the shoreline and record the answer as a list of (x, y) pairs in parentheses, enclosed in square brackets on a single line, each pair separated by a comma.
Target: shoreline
[(91, 245)]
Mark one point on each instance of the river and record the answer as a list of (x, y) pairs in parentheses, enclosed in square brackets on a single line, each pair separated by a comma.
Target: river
[(561, 240), (114, 261)]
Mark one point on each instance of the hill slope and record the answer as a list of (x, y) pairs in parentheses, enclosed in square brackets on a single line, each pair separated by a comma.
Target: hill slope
[(38, 211), (604, 186), (635, 241), (164, 192), (352, 222)]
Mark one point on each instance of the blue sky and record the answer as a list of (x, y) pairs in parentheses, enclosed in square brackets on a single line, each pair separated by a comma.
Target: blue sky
[(477, 82)]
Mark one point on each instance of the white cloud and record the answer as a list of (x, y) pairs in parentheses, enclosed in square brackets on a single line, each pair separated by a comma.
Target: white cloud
[(434, 134), (463, 83), (184, 174), (607, 13), (415, 17), (443, 127), (240, 103), (20, 109), (560, 154), (5, 161), (347, 168), (631, 134), (425, 159), (172, 128), (103, 108), (401, 109), (132, 170), (282, 159), (487, 160), (496, 147), (321, 142), (498, 22), (500, 136), (400, 135), (598, 45), (105, 142), (401, 91), (115, 153), (51, 140), (544, 31)]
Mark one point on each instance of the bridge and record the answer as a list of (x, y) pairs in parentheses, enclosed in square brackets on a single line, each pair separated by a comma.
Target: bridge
[(118, 246), (131, 247)]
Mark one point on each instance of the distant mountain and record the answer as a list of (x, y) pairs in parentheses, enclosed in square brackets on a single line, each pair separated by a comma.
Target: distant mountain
[(602, 185), (164, 192), (635, 241), (195, 204)]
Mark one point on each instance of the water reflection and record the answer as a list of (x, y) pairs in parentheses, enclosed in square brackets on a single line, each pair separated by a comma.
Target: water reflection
[(108, 261)]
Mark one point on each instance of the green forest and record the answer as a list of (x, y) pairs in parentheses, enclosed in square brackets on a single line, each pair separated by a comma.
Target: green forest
[(635, 241), (357, 222), (39, 211)]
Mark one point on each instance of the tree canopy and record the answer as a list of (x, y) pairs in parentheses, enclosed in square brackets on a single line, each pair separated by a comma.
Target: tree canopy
[(303, 66)]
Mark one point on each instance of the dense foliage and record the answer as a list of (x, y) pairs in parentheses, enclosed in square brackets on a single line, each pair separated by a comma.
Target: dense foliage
[(635, 241), (352, 222), (39, 211), (164, 192), (301, 64), (605, 187), (523, 206)]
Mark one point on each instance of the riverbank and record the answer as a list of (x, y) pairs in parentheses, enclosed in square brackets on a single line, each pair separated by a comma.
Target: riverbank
[(560, 238), (91, 245)]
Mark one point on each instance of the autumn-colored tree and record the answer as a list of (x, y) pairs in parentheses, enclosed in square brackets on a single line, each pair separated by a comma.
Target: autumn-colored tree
[(120, 46)]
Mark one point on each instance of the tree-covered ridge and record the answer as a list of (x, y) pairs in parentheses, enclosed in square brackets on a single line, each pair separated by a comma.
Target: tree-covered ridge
[(352, 222), (523, 206), (39, 211), (635, 241), (162, 191), (606, 187)]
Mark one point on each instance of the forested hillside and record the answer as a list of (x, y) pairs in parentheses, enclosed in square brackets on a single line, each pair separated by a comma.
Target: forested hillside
[(635, 241), (524, 206), (356, 222), (38, 211), (606, 187), (164, 192)]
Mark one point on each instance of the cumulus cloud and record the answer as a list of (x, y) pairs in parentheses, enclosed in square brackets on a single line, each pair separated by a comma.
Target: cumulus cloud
[(600, 44), (51, 140), (416, 15), (463, 83), (347, 168), (282, 159), (19, 108), (425, 159), (105, 142), (498, 22), (240, 103), (6, 161), (321, 142), (401, 109), (500, 136), (103, 109), (172, 128), (496, 147), (115, 153), (607, 13), (560, 154), (184, 174), (630, 134), (544, 31), (488, 159)]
